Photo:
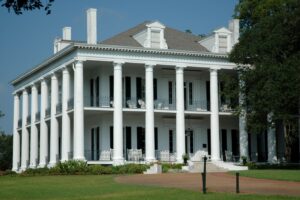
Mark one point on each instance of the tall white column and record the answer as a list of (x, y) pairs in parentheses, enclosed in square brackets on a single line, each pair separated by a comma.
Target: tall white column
[(118, 115), (66, 129), (180, 122), (16, 136), (272, 155), (25, 136), (242, 125), (78, 112), (33, 128), (53, 122), (214, 116), (43, 125), (150, 151)]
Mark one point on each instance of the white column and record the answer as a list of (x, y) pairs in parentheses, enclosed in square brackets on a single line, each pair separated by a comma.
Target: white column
[(25, 136), (33, 128), (66, 129), (53, 122), (78, 112), (150, 151), (43, 125), (242, 125), (16, 136), (214, 116), (272, 155), (118, 115), (180, 123)]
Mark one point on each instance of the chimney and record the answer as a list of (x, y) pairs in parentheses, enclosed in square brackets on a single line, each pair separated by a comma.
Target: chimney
[(66, 33), (91, 26), (234, 27)]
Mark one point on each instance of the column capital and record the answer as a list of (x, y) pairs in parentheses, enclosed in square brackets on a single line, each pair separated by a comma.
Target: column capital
[(213, 70), (150, 64), (16, 94), (53, 75), (118, 63), (65, 69), (24, 91), (180, 66)]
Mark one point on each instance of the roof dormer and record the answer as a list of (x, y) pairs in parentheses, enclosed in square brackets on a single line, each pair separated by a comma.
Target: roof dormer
[(153, 36), (222, 40)]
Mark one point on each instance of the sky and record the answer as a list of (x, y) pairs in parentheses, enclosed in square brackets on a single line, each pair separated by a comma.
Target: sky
[(27, 40)]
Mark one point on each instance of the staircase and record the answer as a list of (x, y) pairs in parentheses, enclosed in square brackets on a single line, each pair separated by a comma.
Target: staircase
[(215, 166), (197, 167)]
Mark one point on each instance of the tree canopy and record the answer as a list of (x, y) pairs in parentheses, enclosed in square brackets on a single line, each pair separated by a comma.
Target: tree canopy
[(19, 6), (268, 61)]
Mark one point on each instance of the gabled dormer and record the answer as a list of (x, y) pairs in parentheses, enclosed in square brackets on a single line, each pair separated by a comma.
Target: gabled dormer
[(222, 40), (153, 36)]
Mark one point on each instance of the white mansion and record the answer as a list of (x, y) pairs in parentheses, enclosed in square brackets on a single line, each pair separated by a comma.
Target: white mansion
[(149, 93)]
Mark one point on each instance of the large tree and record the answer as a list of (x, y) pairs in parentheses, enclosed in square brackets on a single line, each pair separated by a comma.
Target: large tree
[(19, 6), (5, 149), (269, 64)]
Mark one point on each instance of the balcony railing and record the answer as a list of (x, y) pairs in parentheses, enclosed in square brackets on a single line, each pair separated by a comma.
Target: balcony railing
[(37, 116), (48, 111), (197, 105), (164, 104), (58, 108), (70, 103), (99, 102)]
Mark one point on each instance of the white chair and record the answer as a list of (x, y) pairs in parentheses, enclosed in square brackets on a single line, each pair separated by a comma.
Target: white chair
[(164, 156), (228, 156), (141, 103)]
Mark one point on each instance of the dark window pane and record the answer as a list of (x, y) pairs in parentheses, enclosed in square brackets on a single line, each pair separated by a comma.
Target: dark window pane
[(111, 137), (170, 141), (170, 93)]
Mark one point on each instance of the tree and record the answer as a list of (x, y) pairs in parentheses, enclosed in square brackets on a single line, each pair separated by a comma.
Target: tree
[(18, 6), (268, 61), (5, 149)]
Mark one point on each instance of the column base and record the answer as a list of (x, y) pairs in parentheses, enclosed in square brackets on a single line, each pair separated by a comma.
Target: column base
[(79, 158), (32, 166), (273, 160), (42, 165), (23, 168), (15, 169), (51, 164)]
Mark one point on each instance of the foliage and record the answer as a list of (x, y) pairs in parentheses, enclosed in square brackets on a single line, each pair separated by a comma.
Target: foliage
[(275, 174), (77, 167), (5, 149), (269, 64), (170, 166), (252, 165), (18, 6)]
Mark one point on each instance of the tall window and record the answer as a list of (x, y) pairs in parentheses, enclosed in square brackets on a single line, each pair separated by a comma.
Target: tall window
[(208, 95), (155, 88), (222, 44), (170, 141), (190, 93), (91, 92), (208, 142), (128, 137), (97, 88), (170, 92), (156, 138), (111, 88), (155, 39), (141, 138), (111, 138), (92, 144)]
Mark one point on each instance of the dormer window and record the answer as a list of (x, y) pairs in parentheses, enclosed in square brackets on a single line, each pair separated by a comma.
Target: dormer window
[(153, 36), (155, 39), (223, 43)]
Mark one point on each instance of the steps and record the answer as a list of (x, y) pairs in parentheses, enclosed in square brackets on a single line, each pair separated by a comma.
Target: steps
[(197, 167), (216, 166)]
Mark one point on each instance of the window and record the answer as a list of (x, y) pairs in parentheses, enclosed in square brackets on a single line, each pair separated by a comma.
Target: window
[(92, 92), (208, 142), (222, 44), (128, 137), (208, 95), (111, 88), (170, 92), (127, 88), (111, 137), (155, 39), (97, 91), (92, 144), (141, 138), (155, 88), (98, 142), (170, 141), (156, 138), (192, 142), (191, 93)]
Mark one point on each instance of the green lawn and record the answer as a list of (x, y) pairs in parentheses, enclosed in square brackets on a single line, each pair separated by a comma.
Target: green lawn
[(275, 174), (98, 187)]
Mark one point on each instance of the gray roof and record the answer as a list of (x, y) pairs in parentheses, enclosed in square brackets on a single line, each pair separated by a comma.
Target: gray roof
[(175, 39)]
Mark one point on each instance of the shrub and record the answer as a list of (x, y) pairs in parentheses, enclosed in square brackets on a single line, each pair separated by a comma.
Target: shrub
[(167, 166), (70, 167), (252, 165)]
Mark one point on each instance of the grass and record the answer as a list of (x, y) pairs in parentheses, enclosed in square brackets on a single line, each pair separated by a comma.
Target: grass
[(99, 187), (275, 174)]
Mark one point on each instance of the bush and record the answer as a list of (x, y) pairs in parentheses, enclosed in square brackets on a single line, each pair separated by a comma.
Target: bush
[(252, 165), (167, 166), (76, 167)]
